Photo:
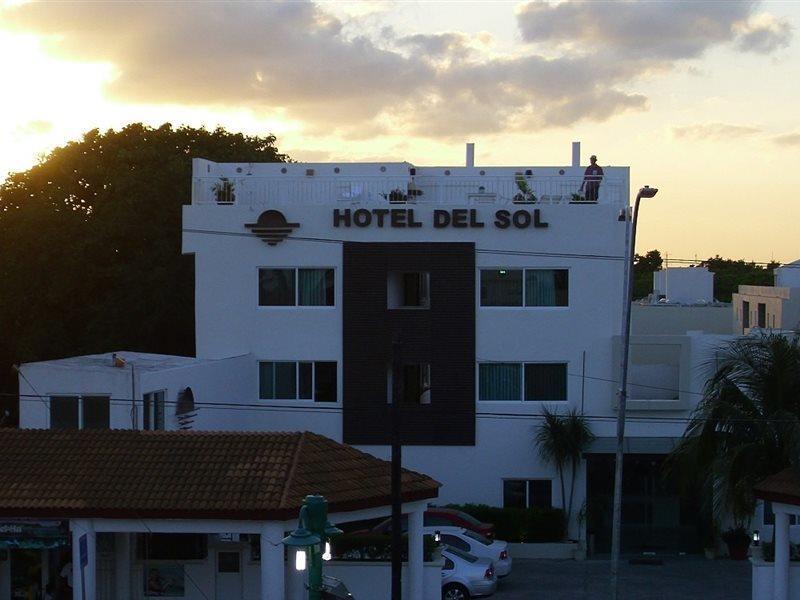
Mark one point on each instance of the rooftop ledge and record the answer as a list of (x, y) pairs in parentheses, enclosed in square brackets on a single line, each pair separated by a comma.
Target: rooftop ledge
[(265, 184)]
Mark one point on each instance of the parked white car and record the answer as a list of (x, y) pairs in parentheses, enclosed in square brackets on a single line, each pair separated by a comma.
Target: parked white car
[(465, 576), (476, 544)]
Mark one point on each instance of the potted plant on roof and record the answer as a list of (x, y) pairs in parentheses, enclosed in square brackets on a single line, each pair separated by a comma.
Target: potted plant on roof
[(738, 541)]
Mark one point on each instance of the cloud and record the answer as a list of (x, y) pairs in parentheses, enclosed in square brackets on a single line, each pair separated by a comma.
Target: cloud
[(38, 127), (657, 29), (299, 59), (714, 131), (764, 34), (787, 139)]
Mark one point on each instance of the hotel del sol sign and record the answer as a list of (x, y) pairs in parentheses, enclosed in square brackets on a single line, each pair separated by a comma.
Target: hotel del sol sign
[(273, 227)]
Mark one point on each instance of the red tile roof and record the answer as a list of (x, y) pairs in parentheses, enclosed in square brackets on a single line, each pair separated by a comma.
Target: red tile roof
[(188, 474), (781, 487)]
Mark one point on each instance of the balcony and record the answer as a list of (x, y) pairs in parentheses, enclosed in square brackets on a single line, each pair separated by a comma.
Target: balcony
[(510, 189)]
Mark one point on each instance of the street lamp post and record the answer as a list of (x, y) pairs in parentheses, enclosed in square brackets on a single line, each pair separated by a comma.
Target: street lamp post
[(645, 192), (313, 530)]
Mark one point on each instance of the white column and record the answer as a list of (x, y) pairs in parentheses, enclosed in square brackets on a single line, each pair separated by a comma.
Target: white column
[(122, 565), (272, 564), (84, 580), (781, 564), (45, 558), (416, 554)]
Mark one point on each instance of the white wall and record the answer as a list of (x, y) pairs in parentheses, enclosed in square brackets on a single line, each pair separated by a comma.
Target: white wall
[(788, 275), (687, 285), (648, 319)]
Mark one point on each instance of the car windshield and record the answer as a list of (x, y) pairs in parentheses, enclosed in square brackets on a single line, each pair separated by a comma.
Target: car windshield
[(478, 537), (469, 518), (461, 554)]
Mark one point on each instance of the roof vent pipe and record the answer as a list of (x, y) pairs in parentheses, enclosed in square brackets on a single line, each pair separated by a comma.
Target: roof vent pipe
[(576, 154), (470, 154)]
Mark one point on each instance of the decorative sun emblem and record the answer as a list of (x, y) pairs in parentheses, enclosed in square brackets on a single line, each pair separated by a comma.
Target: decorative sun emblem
[(272, 227)]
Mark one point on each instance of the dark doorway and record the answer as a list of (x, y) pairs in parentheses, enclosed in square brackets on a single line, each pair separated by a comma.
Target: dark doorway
[(655, 516)]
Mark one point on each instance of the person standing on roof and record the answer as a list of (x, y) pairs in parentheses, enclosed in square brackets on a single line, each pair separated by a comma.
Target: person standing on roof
[(591, 180)]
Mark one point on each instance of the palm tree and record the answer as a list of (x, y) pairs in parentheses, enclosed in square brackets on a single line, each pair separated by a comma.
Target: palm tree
[(746, 427), (561, 440)]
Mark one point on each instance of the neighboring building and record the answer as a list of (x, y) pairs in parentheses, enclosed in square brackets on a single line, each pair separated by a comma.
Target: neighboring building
[(768, 307), (683, 285), (503, 284)]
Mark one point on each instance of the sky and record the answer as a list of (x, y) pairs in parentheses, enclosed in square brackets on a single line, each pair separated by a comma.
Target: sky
[(698, 98)]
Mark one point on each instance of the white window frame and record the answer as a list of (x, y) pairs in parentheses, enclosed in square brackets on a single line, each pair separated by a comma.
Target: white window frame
[(522, 400), (528, 481), (297, 398), (80, 397), (296, 304), (524, 270)]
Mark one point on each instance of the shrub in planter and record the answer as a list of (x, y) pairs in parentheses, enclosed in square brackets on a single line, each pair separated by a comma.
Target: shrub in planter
[(374, 546), (738, 541), (519, 524)]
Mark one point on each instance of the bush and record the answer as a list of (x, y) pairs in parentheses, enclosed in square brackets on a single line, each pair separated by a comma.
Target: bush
[(520, 524), (768, 552), (374, 546)]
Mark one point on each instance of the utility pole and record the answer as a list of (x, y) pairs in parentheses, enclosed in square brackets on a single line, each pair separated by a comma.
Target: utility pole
[(616, 520), (397, 465)]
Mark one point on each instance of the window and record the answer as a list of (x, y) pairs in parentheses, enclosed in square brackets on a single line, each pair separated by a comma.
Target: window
[(295, 287), (762, 315), (542, 287), (408, 290), (79, 412), (527, 493), (297, 381), (417, 384), (546, 287), (506, 382), (154, 410), (745, 314), (545, 382), (501, 287)]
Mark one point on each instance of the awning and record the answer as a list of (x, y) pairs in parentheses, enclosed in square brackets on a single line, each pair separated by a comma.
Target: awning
[(633, 445)]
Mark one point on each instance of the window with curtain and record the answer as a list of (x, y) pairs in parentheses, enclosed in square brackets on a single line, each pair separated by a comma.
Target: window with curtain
[(546, 287), (154, 415), (80, 412), (289, 380), (501, 287), (276, 287), (315, 287), (545, 381), (499, 381)]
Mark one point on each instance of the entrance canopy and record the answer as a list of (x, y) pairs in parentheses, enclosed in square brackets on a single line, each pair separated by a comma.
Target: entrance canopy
[(128, 474)]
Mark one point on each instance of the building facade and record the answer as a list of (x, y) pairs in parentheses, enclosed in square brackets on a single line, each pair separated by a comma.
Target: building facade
[(490, 292)]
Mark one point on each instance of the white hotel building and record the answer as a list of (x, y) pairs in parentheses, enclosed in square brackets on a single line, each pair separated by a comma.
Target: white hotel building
[(504, 285)]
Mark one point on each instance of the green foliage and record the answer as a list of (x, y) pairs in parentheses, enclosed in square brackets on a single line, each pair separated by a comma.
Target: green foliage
[(374, 546), (730, 274), (520, 524), (90, 243), (746, 427), (643, 268), (561, 440)]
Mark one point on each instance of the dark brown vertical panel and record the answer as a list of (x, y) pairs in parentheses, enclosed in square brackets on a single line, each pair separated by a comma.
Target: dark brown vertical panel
[(443, 335)]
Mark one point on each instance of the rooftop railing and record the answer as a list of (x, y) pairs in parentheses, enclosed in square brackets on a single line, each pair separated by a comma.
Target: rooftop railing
[(272, 191)]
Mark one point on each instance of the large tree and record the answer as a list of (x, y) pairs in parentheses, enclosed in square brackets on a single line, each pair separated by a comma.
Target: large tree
[(730, 274), (747, 425), (90, 243)]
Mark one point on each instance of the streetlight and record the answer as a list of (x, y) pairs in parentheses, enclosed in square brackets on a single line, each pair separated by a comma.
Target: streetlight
[(645, 192), (312, 529)]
